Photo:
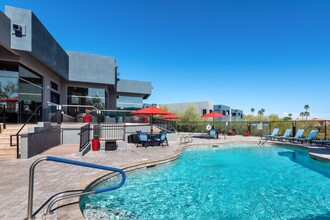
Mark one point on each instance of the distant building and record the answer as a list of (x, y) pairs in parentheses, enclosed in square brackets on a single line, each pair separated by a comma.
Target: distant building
[(230, 114), (205, 107), (202, 107)]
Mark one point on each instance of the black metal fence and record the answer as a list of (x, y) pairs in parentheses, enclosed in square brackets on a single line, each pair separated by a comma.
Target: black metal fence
[(84, 136), (258, 128), (110, 131)]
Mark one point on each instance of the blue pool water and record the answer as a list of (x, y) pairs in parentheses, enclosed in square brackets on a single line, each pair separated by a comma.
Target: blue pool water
[(248, 182)]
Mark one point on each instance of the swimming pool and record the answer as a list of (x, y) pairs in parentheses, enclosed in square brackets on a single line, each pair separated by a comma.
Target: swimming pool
[(232, 182)]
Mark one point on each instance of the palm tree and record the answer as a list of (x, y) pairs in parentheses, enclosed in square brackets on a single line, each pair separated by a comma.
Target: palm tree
[(261, 112), (252, 110), (306, 112), (290, 115), (302, 114)]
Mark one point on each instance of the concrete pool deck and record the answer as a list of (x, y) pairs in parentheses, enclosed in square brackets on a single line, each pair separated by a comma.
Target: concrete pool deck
[(51, 177)]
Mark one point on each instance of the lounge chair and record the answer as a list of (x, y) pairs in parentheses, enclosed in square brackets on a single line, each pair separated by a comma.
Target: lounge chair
[(285, 135), (312, 134), (142, 138), (204, 135), (272, 135), (298, 135), (323, 143)]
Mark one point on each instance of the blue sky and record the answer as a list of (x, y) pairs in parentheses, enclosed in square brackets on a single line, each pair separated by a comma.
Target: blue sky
[(272, 54)]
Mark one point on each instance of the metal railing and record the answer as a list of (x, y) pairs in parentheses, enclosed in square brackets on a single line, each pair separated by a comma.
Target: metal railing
[(19, 131), (84, 136), (267, 126), (58, 197), (112, 131)]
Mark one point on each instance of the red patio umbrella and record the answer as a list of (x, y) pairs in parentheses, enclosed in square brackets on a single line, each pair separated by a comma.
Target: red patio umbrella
[(171, 116), (151, 110), (213, 115)]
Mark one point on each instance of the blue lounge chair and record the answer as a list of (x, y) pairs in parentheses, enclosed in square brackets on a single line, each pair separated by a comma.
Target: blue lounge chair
[(272, 135), (285, 135), (298, 135), (310, 137)]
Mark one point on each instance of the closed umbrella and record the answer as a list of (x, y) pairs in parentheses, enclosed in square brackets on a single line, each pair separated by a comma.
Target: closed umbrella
[(213, 115), (151, 110)]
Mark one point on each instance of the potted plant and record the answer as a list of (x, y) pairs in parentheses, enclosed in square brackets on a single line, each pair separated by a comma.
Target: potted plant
[(95, 143)]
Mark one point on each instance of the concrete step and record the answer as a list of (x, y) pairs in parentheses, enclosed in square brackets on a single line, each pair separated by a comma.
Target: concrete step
[(8, 152)]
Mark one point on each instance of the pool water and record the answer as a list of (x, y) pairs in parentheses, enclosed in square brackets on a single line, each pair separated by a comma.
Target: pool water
[(238, 182)]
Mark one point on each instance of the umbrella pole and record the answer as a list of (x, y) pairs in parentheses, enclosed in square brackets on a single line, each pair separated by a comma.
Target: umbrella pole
[(151, 129)]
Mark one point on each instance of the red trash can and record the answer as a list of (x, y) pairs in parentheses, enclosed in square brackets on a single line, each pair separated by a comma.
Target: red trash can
[(95, 144), (247, 133)]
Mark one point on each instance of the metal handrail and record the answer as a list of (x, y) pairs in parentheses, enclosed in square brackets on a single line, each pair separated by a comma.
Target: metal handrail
[(72, 162), (17, 134)]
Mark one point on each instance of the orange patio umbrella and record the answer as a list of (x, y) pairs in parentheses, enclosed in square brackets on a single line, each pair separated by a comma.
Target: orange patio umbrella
[(151, 110), (213, 115), (171, 116)]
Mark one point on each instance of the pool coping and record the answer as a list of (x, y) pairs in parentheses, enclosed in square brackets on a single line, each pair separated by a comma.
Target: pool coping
[(73, 211)]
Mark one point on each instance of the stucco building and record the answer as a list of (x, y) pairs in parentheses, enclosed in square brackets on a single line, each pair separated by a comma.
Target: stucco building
[(36, 71)]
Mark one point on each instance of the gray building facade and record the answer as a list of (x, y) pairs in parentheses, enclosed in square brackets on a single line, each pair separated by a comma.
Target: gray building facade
[(36, 71), (204, 107), (230, 113)]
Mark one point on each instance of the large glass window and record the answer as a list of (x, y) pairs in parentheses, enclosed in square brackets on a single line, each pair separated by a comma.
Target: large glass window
[(87, 96), (20, 92), (129, 103)]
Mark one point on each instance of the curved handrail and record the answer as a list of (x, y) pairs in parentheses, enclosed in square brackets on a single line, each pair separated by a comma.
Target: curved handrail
[(72, 162)]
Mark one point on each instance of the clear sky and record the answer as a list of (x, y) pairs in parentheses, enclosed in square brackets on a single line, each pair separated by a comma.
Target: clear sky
[(272, 54)]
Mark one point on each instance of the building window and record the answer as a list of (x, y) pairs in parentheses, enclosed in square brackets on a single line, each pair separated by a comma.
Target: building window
[(53, 85), (204, 111), (129, 102), (24, 87), (86, 96)]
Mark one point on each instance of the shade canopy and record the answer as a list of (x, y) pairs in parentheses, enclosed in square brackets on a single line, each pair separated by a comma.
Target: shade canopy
[(151, 110), (171, 116), (213, 115)]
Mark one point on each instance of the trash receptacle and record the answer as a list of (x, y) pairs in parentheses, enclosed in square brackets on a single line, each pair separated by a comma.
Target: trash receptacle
[(95, 144), (247, 133)]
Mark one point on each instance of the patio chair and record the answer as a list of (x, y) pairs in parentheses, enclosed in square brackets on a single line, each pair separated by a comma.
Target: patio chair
[(142, 138), (298, 135), (213, 134), (285, 135), (162, 138), (272, 135), (312, 134)]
